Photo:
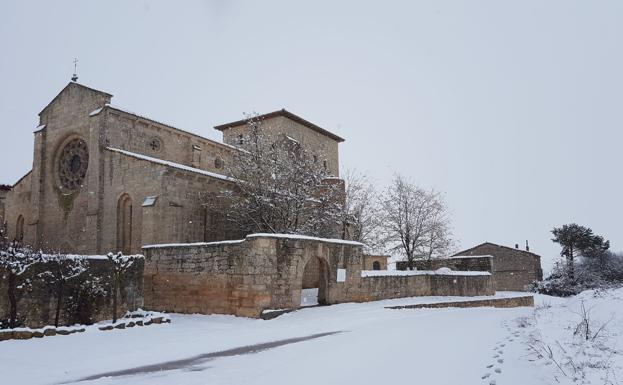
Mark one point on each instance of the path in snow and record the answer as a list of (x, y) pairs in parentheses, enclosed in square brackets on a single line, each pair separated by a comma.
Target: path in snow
[(196, 361)]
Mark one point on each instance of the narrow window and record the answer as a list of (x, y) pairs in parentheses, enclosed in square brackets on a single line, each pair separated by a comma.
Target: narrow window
[(376, 265), (240, 139), (19, 230)]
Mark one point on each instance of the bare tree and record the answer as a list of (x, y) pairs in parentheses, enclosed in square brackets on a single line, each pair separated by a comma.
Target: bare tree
[(62, 269), (280, 188), (15, 260), (120, 266), (360, 214), (439, 241), (415, 222)]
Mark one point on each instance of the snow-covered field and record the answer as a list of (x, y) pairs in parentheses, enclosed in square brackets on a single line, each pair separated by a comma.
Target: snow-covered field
[(342, 344)]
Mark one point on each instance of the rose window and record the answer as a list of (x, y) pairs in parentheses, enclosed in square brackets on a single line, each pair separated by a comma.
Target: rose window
[(73, 163)]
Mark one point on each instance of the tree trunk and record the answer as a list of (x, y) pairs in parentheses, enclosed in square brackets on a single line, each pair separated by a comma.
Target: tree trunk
[(114, 299), (12, 301), (59, 301), (570, 264)]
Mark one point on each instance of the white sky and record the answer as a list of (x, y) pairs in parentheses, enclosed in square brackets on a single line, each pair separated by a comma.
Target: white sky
[(513, 109)]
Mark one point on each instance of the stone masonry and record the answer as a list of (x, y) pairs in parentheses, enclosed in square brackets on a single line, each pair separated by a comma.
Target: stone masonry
[(513, 269), (105, 179), (266, 271)]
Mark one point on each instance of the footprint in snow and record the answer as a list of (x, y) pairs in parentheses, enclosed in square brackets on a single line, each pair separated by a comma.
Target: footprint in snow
[(486, 375), (496, 356), (498, 370), (489, 366), (501, 351), (492, 382), (500, 361)]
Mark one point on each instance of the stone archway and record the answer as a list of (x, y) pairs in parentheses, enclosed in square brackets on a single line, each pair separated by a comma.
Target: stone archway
[(315, 282), (376, 265), (124, 224)]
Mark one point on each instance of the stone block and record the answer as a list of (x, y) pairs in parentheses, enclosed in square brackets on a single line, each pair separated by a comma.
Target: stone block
[(6, 335), (22, 335)]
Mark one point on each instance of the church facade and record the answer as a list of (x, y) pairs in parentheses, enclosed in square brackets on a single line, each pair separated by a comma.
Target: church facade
[(105, 179)]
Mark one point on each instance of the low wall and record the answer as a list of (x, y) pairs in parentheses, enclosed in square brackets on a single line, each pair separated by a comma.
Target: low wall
[(373, 288), (480, 263), (36, 306), (524, 301), (268, 271)]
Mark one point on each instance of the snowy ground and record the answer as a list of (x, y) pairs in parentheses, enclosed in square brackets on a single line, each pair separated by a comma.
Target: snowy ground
[(341, 344)]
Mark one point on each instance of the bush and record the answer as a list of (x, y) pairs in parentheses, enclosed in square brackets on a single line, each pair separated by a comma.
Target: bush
[(592, 272)]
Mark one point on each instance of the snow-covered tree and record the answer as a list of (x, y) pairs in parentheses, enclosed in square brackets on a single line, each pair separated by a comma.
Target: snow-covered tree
[(15, 261), (120, 266), (578, 240), (280, 187), (60, 269), (360, 214), (415, 222)]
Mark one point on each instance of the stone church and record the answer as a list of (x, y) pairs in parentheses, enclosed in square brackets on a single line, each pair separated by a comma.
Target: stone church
[(106, 179)]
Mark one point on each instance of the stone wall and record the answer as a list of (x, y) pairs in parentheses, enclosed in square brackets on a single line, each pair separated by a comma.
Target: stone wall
[(386, 287), (36, 307), (369, 260), (523, 301), (4, 190), (481, 263), (513, 269), (127, 131), (325, 148), (267, 271)]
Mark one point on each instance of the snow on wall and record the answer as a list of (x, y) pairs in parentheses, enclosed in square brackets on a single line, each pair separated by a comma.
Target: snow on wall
[(305, 237), (390, 273), (256, 235), (170, 164), (162, 245)]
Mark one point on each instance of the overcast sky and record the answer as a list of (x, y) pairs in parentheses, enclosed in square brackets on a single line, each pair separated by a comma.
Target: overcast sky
[(512, 109)]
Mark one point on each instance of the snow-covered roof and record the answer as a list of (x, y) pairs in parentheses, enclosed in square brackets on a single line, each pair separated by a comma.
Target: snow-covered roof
[(392, 273), (122, 109), (469, 256), (170, 164), (287, 114), (304, 237), (163, 245)]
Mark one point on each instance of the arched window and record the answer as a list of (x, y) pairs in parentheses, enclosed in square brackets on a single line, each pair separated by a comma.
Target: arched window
[(376, 265), (124, 224), (19, 229)]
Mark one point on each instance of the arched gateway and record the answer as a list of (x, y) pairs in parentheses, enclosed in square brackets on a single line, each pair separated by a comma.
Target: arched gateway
[(314, 282)]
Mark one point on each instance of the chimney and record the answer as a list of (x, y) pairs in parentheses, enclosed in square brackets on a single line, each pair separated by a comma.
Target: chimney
[(516, 245), (527, 246)]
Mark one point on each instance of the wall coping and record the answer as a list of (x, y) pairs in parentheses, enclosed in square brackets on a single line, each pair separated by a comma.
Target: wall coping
[(305, 238), (256, 235), (468, 257), (396, 273)]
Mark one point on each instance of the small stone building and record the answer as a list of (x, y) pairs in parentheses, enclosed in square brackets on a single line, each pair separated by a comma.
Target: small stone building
[(512, 268), (375, 262)]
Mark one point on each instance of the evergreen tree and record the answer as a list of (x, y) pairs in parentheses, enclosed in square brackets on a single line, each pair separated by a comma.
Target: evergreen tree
[(578, 240)]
